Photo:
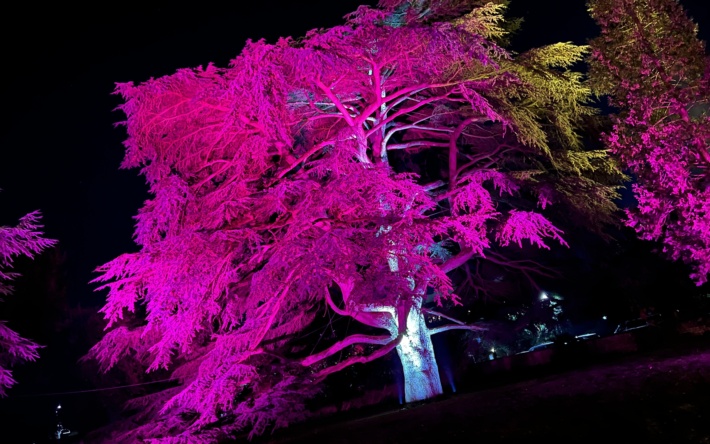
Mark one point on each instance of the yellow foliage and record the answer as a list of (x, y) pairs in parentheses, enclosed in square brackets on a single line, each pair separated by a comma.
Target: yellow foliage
[(485, 21)]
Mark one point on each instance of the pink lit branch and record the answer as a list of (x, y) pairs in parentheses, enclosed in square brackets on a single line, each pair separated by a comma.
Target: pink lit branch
[(373, 318), (304, 157), (275, 306), (416, 143), (350, 340), (453, 149), (338, 104), (457, 261), (361, 359)]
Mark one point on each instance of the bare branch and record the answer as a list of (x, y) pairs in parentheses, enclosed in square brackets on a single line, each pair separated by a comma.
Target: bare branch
[(444, 328), (332, 305), (304, 157), (453, 148), (434, 185), (360, 359), (525, 265), (405, 111), (350, 340), (378, 317), (403, 93), (456, 261), (436, 313), (415, 143)]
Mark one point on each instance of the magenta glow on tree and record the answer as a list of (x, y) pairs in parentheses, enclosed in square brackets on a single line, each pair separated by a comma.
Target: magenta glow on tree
[(650, 63), (292, 182), (24, 239)]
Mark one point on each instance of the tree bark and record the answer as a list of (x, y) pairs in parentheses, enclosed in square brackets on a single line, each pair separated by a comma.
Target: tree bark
[(416, 353)]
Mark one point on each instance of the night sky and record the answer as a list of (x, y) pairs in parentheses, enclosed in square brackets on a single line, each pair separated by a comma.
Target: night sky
[(59, 149)]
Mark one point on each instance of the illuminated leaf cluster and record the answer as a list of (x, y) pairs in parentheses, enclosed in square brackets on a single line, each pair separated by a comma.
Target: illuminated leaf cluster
[(24, 239)]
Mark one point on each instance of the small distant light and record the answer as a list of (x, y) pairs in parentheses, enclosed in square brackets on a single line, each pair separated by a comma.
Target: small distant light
[(604, 317), (543, 296), (59, 406), (493, 350)]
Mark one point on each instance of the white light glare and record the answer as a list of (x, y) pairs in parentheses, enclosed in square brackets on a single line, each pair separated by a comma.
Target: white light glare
[(604, 317), (543, 296)]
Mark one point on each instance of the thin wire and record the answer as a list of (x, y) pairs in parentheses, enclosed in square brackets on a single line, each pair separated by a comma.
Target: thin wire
[(94, 390), (316, 330), (330, 320)]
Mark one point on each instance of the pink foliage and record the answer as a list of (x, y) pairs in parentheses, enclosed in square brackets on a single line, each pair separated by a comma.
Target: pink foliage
[(525, 225), (284, 184), (650, 61), (24, 239)]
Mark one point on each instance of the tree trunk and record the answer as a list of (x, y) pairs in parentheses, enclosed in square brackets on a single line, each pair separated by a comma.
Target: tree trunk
[(416, 352)]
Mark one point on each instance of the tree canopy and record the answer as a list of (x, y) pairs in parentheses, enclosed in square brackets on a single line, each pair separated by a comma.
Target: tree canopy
[(650, 63), (349, 170), (23, 239)]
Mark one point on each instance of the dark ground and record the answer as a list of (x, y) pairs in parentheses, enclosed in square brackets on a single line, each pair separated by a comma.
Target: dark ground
[(656, 396)]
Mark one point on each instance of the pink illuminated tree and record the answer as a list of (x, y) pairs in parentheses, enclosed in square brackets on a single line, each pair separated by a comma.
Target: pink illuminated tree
[(650, 63), (24, 239), (350, 171)]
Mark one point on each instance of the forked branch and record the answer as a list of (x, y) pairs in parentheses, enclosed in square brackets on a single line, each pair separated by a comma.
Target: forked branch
[(360, 359), (350, 340)]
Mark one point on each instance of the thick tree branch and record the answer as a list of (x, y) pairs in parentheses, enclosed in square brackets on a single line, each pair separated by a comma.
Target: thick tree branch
[(304, 157), (350, 340), (444, 328), (454, 151), (456, 261), (381, 318), (360, 359), (338, 104), (433, 185), (416, 143), (331, 304)]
